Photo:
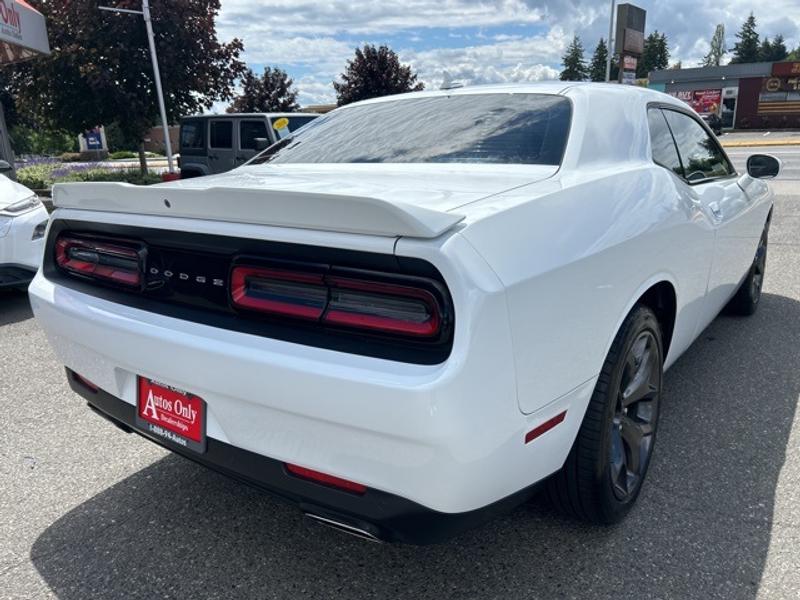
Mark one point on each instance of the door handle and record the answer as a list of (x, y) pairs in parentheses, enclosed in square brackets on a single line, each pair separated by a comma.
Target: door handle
[(715, 209)]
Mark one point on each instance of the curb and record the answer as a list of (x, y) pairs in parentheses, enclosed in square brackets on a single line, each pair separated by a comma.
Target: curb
[(754, 143)]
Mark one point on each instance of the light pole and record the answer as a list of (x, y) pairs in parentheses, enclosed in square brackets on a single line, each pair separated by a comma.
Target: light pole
[(145, 12), (610, 41)]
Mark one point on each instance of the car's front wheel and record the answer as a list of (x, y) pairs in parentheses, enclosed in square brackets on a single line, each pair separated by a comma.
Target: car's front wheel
[(608, 462)]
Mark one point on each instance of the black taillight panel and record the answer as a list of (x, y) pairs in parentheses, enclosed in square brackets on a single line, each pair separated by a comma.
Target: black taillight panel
[(356, 302)]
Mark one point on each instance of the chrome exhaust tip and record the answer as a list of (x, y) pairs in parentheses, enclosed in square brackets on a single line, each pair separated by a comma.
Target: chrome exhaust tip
[(345, 527)]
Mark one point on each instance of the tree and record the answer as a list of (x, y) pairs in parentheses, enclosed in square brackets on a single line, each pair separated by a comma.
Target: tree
[(774, 51), (574, 64), (746, 50), (272, 92), (794, 54), (374, 72), (718, 49), (597, 68), (655, 55), (100, 70)]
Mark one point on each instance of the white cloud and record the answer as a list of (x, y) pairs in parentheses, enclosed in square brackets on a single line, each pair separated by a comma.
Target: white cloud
[(309, 17)]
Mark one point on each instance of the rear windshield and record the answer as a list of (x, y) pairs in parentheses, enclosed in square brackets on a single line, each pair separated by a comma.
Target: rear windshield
[(473, 128)]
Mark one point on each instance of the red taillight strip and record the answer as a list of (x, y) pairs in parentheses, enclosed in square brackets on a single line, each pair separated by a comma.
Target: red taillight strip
[(336, 300), (108, 272), (325, 479), (545, 427), (240, 277), (361, 320)]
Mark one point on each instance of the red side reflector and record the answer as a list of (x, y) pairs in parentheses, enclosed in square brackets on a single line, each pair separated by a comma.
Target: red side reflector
[(544, 427), (85, 382), (324, 479)]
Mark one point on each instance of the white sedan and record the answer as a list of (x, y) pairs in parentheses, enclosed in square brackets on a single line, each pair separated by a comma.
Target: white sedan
[(23, 221), (410, 314)]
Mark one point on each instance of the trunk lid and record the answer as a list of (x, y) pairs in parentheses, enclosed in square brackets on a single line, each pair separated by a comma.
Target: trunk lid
[(416, 200)]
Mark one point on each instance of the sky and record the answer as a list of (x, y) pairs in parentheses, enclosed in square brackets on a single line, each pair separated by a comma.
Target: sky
[(473, 40)]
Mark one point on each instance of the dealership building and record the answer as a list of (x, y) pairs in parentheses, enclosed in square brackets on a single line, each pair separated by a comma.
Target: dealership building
[(746, 96)]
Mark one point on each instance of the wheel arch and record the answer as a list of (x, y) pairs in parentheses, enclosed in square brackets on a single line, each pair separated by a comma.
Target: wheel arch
[(659, 293)]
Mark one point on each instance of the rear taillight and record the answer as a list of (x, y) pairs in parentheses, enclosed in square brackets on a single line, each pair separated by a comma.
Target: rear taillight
[(279, 292), (410, 307), (101, 260)]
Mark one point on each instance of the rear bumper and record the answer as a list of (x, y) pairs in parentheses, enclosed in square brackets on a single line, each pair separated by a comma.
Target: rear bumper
[(383, 516), (449, 437)]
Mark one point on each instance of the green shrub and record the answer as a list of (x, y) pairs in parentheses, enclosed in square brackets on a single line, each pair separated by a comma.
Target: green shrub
[(43, 176), (123, 154), (71, 157)]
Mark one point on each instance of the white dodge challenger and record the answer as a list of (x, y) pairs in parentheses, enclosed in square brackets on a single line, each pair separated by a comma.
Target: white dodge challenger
[(410, 313)]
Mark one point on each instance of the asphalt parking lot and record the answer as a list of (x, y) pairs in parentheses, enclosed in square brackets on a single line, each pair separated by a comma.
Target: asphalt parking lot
[(87, 511)]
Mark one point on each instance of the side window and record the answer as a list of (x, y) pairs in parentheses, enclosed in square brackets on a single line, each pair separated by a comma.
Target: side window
[(701, 155), (249, 131), (662, 143), (193, 135), (221, 134)]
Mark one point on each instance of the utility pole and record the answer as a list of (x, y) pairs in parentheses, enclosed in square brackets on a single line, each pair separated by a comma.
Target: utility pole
[(145, 12), (610, 52)]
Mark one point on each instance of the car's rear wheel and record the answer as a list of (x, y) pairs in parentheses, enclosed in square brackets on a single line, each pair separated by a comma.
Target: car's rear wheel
[(745, 301), (608, 462)]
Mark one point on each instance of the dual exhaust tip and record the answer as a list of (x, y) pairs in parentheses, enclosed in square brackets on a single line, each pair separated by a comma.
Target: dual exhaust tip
[(345, 527)]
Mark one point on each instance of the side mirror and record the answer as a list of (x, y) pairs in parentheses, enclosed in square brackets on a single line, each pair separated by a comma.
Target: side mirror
[(261, 144), (5, 167), (763, 166)]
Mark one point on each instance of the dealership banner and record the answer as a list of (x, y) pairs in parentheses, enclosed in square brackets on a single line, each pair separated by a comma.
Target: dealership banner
[(702, 101), (23, 33)]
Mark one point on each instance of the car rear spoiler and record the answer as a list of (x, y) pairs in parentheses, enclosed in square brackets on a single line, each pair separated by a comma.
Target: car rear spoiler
[(326, 212)]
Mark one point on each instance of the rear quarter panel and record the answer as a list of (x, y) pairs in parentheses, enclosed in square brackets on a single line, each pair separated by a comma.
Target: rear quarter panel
[(576, 254)]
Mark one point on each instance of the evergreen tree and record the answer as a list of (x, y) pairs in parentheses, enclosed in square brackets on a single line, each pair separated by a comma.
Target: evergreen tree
[(777, 50), (746, 50), (574, 63), (655, 56), (794, 54), (717, 50), (597, 68)]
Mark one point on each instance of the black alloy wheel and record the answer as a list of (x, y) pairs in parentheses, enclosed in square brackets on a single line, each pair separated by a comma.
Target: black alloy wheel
[(607, 464)]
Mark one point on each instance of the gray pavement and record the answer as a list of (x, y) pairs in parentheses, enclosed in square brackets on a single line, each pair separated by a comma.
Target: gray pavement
[(87, 511)]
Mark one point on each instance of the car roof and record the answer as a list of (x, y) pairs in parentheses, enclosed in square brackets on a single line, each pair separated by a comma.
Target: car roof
[(561, 88)]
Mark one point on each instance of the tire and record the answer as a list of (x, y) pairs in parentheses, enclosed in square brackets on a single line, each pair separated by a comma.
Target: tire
[(746, 300), (595, 484)]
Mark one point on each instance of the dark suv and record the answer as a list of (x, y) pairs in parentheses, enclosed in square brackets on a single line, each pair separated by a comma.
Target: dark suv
[(217, 143)]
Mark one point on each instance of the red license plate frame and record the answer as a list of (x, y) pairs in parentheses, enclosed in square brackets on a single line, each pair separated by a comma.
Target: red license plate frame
[(171, 414)]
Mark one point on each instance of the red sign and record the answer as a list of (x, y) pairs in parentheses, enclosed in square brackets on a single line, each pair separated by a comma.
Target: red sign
[(786, 69), (702, 101), (171, 414), (629, 62)]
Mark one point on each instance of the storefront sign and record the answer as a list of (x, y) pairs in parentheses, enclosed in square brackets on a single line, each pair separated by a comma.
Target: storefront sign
[(786, 69), (702, 101), (22, 32), (629, 63)]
